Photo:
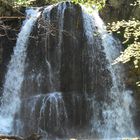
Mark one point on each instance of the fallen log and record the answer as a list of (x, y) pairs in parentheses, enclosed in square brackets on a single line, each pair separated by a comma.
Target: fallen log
[(7, 137), (12, 17), (33, 136)]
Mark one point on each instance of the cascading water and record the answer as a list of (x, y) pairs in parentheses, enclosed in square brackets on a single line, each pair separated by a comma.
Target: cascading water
[(116, 110), (10, 102), (46, 111), (118, 115), (61, 81), (51, 114), (47, 41)]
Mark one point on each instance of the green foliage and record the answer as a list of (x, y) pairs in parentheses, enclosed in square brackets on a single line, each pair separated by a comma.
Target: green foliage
[(98, 3), (136, 3), (131, 34), (18, 3), (22, 2), (26, 3)]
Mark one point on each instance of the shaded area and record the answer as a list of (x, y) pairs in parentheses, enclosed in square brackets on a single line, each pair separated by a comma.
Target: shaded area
[(59, 58)]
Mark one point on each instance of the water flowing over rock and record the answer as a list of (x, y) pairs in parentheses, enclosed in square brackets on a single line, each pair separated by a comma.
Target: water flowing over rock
[(60, 81), (11, 99), (118, 99)]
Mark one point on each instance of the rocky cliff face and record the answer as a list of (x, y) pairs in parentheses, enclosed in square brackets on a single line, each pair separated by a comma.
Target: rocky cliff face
[(9, 29), (119, 10), (54, 65)]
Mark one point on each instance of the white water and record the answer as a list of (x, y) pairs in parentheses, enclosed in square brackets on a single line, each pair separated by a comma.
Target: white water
[(10, 102), (55, 104), (47, 43), (61, 10), (117, 116), (60, 15), (50, 109)]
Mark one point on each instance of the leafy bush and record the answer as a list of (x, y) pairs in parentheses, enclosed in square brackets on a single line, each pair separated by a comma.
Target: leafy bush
[(131, 34)]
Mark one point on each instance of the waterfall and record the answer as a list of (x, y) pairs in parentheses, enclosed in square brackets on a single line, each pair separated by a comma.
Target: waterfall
[(61, 82), (123, 103), (117, 108), (47, 44), (10, 102), (46, 110)]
